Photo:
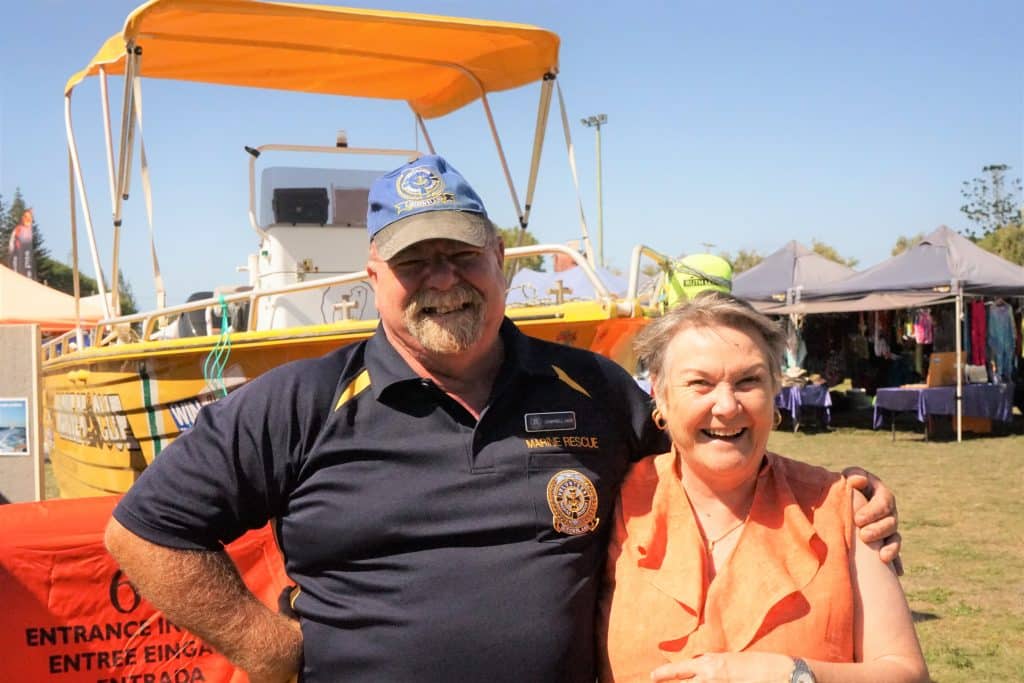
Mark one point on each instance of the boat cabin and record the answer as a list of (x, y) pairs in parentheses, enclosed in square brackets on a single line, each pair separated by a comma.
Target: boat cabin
[(312, 226)]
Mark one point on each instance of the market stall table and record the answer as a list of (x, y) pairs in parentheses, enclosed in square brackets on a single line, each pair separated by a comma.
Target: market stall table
[(991, 401), (793, 398)]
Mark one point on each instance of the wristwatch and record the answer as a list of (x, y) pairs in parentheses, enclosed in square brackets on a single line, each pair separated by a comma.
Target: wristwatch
[(801, 673)]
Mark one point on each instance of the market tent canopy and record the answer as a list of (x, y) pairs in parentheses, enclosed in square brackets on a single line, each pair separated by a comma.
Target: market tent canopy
[(883, 301), (437, 64), (792, 267), (936, 264), (25, 301)]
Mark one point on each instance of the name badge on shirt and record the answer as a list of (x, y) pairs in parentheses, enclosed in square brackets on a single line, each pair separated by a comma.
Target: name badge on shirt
[(550, 422)]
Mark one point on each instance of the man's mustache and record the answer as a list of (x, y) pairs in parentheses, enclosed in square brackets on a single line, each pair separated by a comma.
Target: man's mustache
[(449, 300)]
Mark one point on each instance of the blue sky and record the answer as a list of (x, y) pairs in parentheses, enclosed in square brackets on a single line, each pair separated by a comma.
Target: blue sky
[(740, 125), (12, 413)]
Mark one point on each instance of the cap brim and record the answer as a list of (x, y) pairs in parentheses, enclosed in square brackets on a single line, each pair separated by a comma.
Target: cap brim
[(461, 226)]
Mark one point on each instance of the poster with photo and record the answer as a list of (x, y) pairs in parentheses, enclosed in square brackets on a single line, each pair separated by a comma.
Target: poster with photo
[(13, 426)]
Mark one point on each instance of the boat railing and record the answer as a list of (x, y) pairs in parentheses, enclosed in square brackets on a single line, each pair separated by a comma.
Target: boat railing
[(652, 293), (146, 326)]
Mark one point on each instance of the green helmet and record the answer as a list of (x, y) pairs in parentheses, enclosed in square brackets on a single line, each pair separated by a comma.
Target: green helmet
[(698, 273)]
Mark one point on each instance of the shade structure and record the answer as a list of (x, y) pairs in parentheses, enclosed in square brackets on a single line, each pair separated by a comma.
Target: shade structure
[(25, 301), (437, 64), (793, 267), (944, 265), (940, 263)]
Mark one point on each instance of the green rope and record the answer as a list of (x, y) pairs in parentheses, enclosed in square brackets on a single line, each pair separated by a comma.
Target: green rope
[(217, 359)]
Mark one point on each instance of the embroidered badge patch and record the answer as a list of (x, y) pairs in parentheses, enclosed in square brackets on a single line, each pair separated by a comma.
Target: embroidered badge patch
[(573, 502), (550, 422), (419, 187)]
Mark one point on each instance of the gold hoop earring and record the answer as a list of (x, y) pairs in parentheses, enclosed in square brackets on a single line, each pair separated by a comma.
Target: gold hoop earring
[(659, 420), (777, 420)]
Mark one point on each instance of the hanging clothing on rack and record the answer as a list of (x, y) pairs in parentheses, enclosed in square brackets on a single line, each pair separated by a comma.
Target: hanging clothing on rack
[(979, 332), (924, 327), (1001, 340), (965, 335)]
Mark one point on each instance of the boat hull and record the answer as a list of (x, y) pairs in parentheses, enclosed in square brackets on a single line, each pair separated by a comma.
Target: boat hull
[(109, 411)]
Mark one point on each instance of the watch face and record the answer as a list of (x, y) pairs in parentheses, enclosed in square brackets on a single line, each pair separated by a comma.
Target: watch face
[(801, 674)]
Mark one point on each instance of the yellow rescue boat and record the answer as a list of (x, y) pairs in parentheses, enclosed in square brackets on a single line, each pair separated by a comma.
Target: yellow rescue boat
[(117, 392)]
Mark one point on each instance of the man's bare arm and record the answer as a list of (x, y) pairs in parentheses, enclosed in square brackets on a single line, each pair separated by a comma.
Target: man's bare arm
[(203, 592)]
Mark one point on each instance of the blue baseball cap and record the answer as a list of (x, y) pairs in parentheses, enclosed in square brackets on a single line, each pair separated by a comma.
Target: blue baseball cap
[(424, 199)]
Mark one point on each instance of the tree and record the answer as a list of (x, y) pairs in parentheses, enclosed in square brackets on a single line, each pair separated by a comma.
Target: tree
[(1006, 242), (904, 243), (745, 260), (515, 237), (822, 249), (991, 201)]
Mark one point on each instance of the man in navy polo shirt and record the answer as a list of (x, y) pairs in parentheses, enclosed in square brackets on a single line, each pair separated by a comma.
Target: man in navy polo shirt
[(441, 490)]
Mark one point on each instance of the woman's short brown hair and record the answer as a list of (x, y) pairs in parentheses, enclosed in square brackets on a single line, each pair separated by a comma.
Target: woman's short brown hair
[(704, 310)]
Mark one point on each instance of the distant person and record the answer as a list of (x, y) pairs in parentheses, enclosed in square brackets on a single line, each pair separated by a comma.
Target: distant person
[(731, 563), (20, 246), (442, 491)]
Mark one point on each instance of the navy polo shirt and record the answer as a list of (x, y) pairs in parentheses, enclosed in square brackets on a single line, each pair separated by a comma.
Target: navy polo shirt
[(427, 545)]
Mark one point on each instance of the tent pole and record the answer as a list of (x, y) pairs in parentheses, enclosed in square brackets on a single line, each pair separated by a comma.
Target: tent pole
[(959, 362)]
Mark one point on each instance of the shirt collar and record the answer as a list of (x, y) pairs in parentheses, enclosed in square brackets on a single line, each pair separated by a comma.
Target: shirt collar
[(387, 367)]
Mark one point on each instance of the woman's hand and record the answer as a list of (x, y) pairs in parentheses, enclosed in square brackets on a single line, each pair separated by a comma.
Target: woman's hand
[(877, 520), (734, 667)]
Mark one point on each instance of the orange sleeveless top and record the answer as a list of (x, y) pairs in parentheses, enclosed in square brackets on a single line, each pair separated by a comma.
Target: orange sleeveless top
[(786, 587)]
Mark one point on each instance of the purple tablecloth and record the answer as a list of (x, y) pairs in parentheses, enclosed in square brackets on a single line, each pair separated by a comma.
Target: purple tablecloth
[(994, 401), (791, 399)]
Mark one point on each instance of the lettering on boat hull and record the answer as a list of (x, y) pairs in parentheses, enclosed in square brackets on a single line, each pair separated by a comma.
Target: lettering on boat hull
[(92, 420)]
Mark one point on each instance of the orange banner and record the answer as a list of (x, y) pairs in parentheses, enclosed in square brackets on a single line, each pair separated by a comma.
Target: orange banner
[(68, 613)]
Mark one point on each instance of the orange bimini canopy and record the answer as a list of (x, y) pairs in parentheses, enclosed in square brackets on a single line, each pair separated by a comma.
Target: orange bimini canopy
[(437, 64)]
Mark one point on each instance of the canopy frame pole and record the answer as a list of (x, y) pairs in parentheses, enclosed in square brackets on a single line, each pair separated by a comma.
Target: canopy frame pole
[(131, 68), (127, 130), (84, 198), (540, 130), (108, 135), (501, 153), (571, 152), (423, 129), (108, 138), (76, 287), (958, 285), (147, 193)]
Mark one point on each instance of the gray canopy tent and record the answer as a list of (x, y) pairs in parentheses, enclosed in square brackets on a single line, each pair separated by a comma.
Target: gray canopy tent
[(783, 274), (943, 266)]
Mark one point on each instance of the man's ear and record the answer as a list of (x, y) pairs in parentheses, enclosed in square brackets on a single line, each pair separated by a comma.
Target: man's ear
[(372, 264)]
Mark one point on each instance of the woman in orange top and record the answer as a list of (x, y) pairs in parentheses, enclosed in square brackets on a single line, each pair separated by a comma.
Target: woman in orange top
[(729, 563)]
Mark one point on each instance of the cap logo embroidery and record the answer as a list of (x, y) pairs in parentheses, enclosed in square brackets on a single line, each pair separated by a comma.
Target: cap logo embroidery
[(572, 499), (419, 187)]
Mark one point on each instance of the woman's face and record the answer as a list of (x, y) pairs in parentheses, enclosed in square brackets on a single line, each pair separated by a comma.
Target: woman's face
[(717, 398)]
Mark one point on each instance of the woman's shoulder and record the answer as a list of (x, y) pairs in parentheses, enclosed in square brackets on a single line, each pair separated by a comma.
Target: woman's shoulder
[(805, 479), (644, 479)]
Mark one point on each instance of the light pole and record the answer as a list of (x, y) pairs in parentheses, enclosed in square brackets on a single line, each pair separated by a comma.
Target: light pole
[(596, 122)]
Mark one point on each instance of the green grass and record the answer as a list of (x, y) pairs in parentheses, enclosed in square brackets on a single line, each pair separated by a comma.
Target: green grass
[(961, 509)]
